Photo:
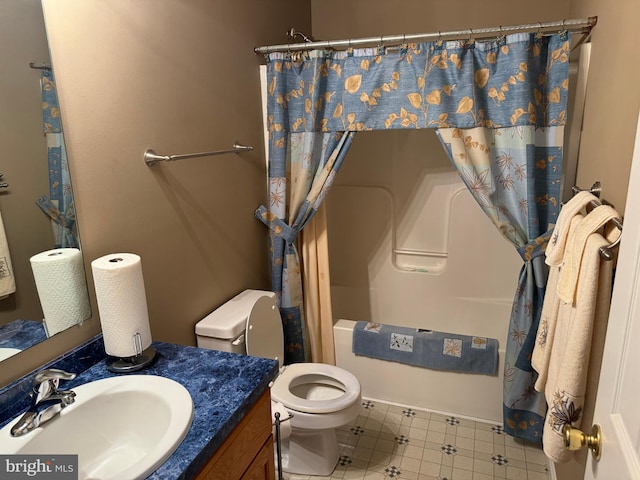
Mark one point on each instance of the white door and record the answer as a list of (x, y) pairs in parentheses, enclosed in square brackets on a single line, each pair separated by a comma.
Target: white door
[(617, 408)]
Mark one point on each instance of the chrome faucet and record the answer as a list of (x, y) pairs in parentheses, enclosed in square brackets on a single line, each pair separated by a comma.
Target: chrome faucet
[(47, 400)]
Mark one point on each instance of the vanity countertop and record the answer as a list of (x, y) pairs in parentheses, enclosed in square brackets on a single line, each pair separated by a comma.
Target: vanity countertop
[(21, 334), (223, 386)]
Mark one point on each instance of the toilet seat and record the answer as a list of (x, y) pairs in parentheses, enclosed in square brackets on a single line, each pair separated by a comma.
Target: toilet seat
[(263, 337), (317, 373), (263, 330)]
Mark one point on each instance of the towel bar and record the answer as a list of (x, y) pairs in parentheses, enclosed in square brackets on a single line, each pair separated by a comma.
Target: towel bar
[(151, 158), (606, 252)]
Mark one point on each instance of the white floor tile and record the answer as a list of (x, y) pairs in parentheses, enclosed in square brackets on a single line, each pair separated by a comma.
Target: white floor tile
[(391, 442)]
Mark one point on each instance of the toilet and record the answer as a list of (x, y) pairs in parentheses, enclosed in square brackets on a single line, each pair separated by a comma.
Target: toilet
[(318, 397)]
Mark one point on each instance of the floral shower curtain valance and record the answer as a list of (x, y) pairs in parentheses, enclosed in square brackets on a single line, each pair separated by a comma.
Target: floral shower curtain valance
[(520, 79), (500, 108)]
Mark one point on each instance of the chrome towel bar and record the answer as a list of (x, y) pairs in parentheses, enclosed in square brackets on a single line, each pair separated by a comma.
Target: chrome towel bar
[(151, 158), (596, 189)]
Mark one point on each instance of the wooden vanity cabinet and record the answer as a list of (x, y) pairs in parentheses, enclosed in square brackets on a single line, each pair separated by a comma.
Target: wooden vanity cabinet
[(247, 454)]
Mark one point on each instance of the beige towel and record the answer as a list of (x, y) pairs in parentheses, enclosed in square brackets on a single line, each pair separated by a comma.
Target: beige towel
[(570, 215), (549, 316), (570, 353), (568, 280), (555, 248), (7, 280)]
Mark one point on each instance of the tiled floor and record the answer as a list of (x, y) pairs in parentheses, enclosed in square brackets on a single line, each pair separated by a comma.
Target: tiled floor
[(388, 441)]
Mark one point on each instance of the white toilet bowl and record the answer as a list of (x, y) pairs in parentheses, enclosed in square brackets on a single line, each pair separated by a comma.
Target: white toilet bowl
[(318, 397)]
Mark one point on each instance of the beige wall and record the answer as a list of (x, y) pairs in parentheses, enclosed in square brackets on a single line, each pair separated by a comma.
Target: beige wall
[(179, 77), (363, 18), (613, 97), (24, 154)]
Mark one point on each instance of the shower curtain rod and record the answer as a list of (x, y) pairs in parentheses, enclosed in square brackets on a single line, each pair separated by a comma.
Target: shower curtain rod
[(583, 25)]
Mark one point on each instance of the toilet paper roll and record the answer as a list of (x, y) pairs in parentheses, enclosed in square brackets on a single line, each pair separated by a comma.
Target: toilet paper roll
[(285, 427), (62, 288), (122, 304)]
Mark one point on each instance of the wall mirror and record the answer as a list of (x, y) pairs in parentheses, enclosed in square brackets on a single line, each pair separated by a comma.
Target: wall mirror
[(34, 169)]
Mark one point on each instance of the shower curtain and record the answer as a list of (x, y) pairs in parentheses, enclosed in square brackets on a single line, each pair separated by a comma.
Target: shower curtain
[(318, 314), (59, 206), (302, 167), (500, 107), (515, 175)]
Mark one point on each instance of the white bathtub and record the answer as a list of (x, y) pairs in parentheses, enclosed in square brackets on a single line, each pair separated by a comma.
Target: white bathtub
[(466, 395), (409, 246)]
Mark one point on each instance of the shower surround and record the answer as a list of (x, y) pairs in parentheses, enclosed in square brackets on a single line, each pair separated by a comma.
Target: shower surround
[(410, 247)]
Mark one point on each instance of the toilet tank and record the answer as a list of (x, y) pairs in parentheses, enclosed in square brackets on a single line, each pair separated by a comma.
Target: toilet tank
[(224, 328)]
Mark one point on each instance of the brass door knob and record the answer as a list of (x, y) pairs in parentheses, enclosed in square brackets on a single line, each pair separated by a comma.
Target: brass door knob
[(575, 439)]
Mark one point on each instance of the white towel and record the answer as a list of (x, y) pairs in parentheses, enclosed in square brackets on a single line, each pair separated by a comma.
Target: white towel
[(571, 349), (7, 280), (549, 315), (568, 280), (555, 248), (569, 216)]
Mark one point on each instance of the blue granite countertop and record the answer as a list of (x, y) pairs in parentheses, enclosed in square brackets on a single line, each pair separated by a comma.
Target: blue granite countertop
[(224, 386), (21, 334)]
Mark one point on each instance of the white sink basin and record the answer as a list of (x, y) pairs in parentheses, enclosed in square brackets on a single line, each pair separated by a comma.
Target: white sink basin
[(120, 427), (6, 352)]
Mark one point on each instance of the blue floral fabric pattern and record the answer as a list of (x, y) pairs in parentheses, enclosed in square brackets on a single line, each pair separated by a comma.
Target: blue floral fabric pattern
[(51, 121), (515, 175), (59, 206), (520, 79), (500, 108), (308, 166)]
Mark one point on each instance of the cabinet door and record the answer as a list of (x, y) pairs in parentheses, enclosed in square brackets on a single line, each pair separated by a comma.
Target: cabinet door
[(236, 455), (262, 467)]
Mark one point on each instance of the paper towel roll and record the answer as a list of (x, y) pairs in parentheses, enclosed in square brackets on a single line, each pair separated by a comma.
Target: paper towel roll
[(122, 303), (285, 427), (62, 288)]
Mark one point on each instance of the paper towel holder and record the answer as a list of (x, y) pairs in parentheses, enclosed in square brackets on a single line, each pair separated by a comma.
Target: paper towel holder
[(140, 360)]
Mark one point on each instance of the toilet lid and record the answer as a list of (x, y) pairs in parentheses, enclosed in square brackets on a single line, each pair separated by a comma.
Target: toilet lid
[(297, 373), (263, 334)]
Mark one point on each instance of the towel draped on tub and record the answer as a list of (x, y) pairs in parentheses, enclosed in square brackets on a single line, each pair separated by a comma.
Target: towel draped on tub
[(426, 348)]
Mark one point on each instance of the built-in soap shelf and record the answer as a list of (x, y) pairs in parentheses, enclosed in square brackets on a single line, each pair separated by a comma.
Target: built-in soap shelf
[(419, 261)]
